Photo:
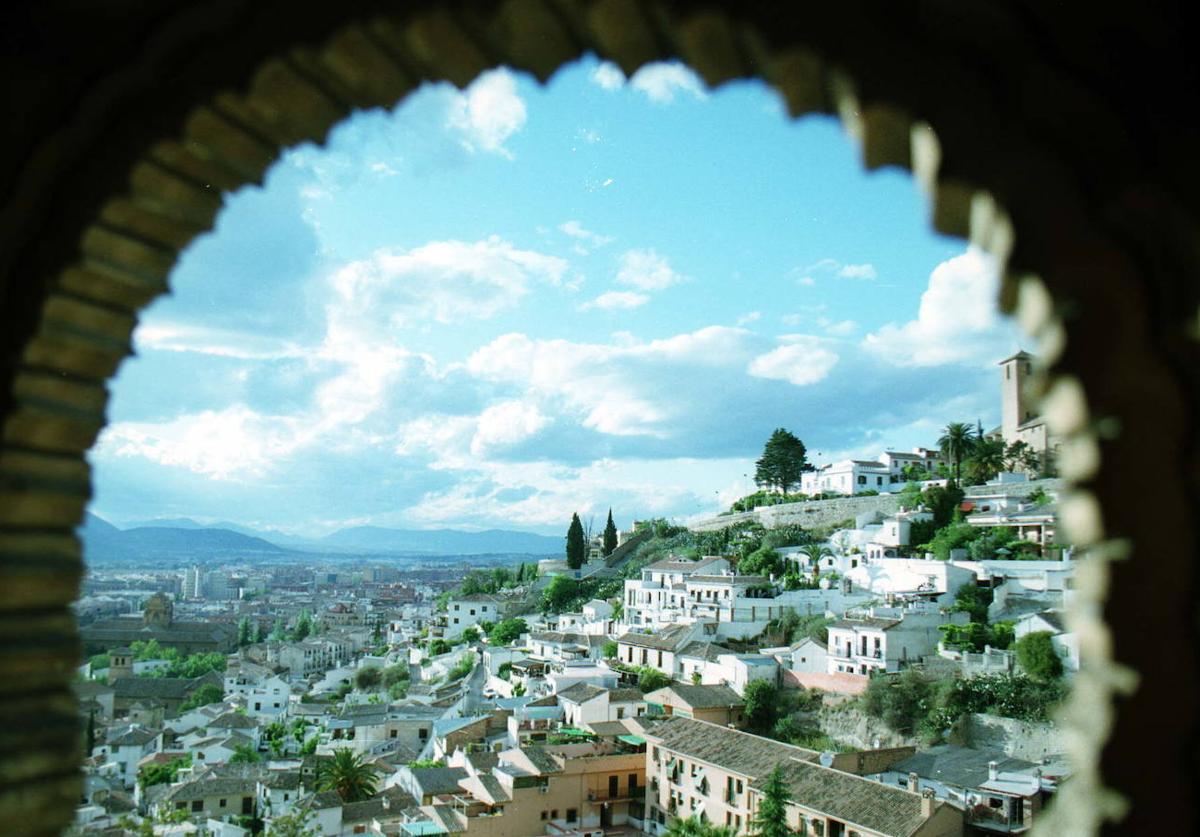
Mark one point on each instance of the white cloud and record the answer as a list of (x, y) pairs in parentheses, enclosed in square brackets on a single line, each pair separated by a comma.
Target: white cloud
[(661, 82), (608, 76), (616, 299), (443, 281), (806, 281), (506, 424), (957, 321), (749, 317), (613, 388), (839, 328), (176, 337), (802, 361), (646, 270), (577, 231), (488, 112), (857, 271), (222, 444)]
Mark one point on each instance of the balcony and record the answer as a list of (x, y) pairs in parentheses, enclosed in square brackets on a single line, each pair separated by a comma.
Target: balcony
[(622, 795), (995, 819)]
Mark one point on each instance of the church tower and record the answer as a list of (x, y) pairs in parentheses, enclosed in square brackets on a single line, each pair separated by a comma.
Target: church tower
[(1016, 406), (159, 612)]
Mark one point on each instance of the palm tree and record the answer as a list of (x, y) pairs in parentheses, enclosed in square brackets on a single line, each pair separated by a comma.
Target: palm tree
[(814, 552), (348, 774), (989, 458), (694, 827), (957, 441)]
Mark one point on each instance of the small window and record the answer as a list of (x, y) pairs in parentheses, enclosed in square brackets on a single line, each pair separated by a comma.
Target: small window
[(545, 814), (197, 805), (456, 607), (572, 815), (472, 611), (553, 813)]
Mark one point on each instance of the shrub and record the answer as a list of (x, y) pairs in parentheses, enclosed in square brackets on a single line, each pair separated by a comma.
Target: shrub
[(368, 678), (507, 631), (1037, 656)]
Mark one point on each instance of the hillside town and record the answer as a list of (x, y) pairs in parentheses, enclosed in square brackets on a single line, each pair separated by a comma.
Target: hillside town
[(876, 655)]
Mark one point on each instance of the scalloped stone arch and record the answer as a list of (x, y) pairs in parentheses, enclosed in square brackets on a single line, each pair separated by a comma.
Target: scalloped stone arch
[(93, 252)]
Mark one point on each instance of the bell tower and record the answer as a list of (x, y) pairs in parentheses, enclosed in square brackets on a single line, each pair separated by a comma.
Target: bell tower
[(1015, 405)]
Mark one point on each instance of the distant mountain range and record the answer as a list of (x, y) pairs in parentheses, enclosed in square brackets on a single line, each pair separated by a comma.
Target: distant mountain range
[(185, 539)]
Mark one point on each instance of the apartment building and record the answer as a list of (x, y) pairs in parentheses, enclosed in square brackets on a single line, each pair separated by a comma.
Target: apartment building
[(699, 769), (885, 639)]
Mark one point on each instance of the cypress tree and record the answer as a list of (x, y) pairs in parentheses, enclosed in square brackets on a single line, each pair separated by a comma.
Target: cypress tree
[(771, 820), (783, 460), (610, 535), (576, 547)]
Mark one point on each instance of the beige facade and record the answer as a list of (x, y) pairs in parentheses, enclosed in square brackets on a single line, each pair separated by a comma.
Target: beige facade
[(702, 770), (571, 788)]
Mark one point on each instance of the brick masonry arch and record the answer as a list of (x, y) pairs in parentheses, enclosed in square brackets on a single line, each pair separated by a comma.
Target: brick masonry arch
[(1053, 139)]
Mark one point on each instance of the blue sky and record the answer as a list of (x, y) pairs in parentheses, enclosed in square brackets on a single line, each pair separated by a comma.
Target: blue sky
[(496, 306)]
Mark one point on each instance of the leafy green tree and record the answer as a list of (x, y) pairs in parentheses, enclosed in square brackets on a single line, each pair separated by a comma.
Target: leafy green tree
[(1037, 656), (507, 631), (610, 535), (902, 705), (576, 547), (762, 705), (559, 594), (162, 774), (470, 635), (425, 764), (438, 647), (206, 694), (650, 679), (395, 674), (954, 536), (943, 503), (244, 754), (304, 626), (771, 818), (278, 631), (368, 678), (956, 443), (992, 538), (309, 747), (348, 775), (783, 460), (245, 634), (1020, 457), (295, 823), (610, 650)]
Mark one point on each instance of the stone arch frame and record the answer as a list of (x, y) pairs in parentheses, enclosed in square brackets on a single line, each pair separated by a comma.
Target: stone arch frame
[(129, 143)]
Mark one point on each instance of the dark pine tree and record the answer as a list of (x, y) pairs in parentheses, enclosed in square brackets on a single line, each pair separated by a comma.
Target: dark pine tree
[(576, 545), (783, 460), (610, 535)]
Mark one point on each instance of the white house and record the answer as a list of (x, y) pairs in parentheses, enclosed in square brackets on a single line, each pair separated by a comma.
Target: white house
[(468, 611), (656, 599), (885, 639), (126, 746), (265, 693)]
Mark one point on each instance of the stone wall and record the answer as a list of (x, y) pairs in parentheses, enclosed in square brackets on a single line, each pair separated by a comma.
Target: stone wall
[(848, 725), (1013, 489), (809, 514), (1018, 739)]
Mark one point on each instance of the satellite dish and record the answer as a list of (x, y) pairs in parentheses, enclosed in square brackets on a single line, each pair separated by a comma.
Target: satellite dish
[(827, 759)]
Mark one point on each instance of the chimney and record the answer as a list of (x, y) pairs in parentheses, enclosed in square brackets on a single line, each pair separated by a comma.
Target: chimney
[(928, 801), (913, 784), (993, 771)]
